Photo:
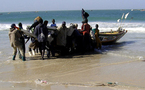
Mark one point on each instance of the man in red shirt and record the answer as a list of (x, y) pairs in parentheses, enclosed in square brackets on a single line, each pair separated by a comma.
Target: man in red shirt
[(85, 30)]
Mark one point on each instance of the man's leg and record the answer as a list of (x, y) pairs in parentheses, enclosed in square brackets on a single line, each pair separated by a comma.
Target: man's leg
[(14, 53)]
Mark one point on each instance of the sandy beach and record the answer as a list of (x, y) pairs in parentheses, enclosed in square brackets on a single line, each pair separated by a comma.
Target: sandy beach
[(120, 66), (92, 71)]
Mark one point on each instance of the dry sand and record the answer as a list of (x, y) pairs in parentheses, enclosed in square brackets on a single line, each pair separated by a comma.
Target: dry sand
[(80, 72)]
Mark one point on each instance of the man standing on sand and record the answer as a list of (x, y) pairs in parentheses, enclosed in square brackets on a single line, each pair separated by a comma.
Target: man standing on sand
[(85, 30), (61, 37), (16, 41), (41, 32)]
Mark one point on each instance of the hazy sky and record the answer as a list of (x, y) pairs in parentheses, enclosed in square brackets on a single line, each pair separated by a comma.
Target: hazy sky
[(47, 5)]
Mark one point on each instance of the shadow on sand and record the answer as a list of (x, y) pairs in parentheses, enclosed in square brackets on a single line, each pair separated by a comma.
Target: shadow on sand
[(105, 48)]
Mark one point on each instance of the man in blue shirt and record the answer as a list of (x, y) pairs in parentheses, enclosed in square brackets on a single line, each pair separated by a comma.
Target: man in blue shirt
[(53, 23)]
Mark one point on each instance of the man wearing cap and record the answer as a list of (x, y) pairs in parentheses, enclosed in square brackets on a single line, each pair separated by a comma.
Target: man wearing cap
[(16, 41)]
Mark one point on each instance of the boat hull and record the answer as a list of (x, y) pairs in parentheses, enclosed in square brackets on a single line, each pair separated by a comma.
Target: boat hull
[(111, 37)]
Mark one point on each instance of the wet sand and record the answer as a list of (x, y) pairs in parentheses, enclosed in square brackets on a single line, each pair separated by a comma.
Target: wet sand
[(93, 71)]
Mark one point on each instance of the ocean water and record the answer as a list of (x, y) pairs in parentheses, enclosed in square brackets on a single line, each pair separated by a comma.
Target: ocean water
[(131, 45), (107, 19)]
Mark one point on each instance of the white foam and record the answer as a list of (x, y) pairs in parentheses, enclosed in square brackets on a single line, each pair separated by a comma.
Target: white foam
[(27, 81), (140, 57), (7, 26), (103, 26), (4, 26)]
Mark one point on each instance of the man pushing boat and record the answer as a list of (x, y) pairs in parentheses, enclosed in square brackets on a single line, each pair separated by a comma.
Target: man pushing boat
[(17, 41)]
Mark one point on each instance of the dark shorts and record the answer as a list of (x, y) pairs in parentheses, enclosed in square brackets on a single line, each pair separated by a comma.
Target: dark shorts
[(42, 45)]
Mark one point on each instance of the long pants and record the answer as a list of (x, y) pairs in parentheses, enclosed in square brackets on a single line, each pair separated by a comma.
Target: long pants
[(51, 49), (87, 41), (21, 49)]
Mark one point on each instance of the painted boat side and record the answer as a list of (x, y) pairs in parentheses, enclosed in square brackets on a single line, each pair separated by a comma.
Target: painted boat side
[(109, 37)]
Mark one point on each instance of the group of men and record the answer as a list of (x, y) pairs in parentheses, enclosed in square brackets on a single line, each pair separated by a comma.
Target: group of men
[(65, 40)]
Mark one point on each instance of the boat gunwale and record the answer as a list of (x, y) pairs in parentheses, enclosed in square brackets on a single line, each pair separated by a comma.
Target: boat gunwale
[(103, 33)]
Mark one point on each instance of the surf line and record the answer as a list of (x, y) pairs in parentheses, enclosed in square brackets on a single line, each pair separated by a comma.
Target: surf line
[(91, 84), (44, 83)]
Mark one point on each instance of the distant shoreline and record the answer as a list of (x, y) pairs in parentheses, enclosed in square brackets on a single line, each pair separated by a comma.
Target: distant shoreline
[(74, 10)]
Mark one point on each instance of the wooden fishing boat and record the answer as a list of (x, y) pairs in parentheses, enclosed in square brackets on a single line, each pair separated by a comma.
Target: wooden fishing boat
[(112, 36)]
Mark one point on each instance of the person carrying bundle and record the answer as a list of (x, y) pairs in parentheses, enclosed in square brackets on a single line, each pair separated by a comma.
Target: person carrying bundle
[(34, 43)]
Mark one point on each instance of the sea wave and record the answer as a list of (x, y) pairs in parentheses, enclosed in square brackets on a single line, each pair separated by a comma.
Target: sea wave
[(103, 26), (4, 27), (7, 26)]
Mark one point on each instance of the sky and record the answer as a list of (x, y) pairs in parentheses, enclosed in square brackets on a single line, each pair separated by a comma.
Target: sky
[(50, 5)]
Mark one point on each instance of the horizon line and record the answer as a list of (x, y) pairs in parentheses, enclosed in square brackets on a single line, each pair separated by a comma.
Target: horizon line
[(68, 10)]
